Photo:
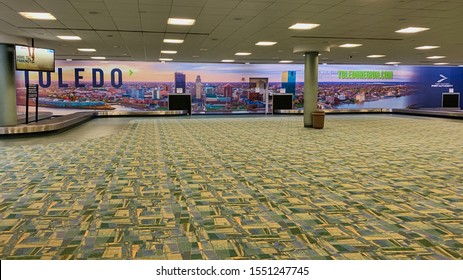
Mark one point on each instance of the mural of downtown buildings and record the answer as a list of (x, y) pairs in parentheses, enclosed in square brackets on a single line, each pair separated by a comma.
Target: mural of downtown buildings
[(213, 87)]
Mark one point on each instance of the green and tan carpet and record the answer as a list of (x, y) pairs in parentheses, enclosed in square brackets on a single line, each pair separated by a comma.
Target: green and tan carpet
[(365, 187)]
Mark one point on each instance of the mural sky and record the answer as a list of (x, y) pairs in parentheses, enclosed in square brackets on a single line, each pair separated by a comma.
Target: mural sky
[(215, 72)]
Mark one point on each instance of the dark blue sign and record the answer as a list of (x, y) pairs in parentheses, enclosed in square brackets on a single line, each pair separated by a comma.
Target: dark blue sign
[(433, 82)]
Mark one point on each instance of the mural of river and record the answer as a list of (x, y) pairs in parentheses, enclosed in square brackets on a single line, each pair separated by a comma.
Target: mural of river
[(392, 103)]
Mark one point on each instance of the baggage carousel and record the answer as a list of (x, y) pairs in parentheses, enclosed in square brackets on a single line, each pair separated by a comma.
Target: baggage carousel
[(48, 123)]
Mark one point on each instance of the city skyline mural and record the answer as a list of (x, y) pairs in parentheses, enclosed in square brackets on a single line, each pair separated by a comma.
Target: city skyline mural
[(118, 85)]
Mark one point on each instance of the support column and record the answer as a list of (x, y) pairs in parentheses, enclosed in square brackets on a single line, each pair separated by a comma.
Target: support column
[(310, 86), (8, 115)]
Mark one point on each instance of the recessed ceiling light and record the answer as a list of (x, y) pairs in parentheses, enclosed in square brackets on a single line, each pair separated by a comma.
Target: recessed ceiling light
[(98, 57), (265, 43), (392, 63), (195, 56), (86, 50), (427, 47), (350, 45), (285, 61), (181, 21), (436, 57), (70, 38), (304, 26), (169, 52), (412, 30), (376, 55), (243, 53), (68, 59), (165, 59), (203, 50), (247, 63), (227, 60), (40, 16), (173, 41), (441, 63)]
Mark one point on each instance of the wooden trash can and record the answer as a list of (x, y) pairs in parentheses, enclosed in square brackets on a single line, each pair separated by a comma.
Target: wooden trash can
[(318, 119)]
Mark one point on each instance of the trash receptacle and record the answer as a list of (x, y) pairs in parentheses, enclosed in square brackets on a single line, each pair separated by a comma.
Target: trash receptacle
[(318, 119)]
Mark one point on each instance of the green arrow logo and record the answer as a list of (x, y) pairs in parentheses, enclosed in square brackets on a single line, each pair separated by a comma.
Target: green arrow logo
[(130, 72)]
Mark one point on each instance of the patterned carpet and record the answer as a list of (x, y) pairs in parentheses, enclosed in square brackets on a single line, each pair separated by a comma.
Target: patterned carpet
[(365, 187)]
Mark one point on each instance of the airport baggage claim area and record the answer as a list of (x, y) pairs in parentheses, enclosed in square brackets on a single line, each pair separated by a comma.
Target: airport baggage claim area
[(295, 159)]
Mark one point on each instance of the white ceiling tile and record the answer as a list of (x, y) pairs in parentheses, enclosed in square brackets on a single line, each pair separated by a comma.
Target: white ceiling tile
[(71, 23), (445, 6), (226, 4), (340, 9), (57, 7), (367, 11), (189, 3), (253, 5), (154, 2), (100, 22), (89, 5), (287, 7), (297, 16), (216, 11), (10, 29), (415, 4), (242, 12), (23, 5), (314, 8), (329, 2), (206, 23), (121, 7), (154, 8), (15, 19), (293, 1), (154, 21), (184, 12)]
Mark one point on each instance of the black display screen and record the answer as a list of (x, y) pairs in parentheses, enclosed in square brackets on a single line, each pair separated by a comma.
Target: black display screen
[(451, 100)]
